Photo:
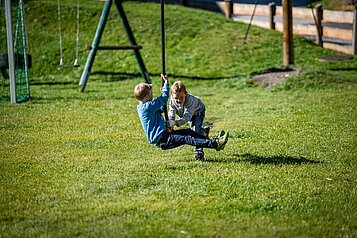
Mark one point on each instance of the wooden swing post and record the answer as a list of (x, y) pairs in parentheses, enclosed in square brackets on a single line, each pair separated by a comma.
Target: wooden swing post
[(288, 45)]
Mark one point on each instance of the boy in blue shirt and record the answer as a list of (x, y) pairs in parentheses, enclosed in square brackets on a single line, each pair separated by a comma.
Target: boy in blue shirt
[(155, 127)]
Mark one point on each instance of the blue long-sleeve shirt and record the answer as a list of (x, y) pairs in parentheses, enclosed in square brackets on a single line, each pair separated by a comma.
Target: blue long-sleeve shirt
[(151, 118)]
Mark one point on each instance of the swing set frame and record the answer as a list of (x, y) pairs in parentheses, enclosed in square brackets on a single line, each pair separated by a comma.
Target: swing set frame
[(96, 41), (17, 60)]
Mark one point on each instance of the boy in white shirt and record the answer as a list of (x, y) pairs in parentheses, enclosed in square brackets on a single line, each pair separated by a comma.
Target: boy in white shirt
[(190, 109)]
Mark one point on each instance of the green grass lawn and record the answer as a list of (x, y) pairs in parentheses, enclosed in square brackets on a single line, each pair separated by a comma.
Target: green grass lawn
[(78, 164), (343, 5)]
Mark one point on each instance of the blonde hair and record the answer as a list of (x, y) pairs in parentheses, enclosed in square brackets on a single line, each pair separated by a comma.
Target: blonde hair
[(142, 90), (178, 87)]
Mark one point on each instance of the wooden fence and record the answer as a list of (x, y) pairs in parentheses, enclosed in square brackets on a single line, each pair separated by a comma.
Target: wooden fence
[(331, 29)]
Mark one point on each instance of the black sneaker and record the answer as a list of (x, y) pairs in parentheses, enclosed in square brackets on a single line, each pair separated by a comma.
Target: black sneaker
[(200, 156), (206, 130)]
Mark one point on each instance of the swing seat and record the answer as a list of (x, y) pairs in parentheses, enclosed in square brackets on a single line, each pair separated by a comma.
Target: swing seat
[(69, 65), (19, 61), (74, 65), (4, 62), (4, 65)]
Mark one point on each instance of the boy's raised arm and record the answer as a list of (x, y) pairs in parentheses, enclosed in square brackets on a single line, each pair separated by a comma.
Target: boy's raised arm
[(164, 78), (165, 88), (161, 100)]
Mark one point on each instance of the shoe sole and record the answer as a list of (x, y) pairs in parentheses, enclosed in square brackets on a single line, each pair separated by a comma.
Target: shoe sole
[(200, 157)]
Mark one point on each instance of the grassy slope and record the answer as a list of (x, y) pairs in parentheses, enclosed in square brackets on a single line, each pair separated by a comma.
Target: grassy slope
[(334, 4), (78, 164)]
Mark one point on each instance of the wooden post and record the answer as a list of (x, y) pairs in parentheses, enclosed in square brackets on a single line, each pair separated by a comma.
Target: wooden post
[(288, 45), (272, 13), (228, 8), (318, 10), (354, 40)]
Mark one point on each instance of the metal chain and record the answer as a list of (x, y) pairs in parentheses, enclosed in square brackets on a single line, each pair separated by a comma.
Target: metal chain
[(77, 37), (75, 64), (25, 45), (17, 25), (60, 32), (250, 22)]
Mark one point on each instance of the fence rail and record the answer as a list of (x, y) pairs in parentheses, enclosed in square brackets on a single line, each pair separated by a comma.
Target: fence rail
[(331, 29)]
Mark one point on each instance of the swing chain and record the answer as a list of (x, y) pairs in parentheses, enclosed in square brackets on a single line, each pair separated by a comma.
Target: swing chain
[(250, 22), (75, 64), (77, 37)]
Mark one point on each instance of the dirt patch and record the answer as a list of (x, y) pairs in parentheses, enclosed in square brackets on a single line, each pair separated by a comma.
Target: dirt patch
[(272, 77)]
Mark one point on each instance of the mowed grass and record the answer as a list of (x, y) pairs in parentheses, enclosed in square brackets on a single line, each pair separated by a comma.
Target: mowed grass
[(78, 164)]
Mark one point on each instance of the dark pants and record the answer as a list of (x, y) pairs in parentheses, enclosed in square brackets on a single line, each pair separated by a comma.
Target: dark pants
[(196, 124), (170, 140)]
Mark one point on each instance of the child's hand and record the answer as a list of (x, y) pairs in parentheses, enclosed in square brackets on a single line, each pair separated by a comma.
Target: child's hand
[(169, 129), (164, 78), (171, 123)]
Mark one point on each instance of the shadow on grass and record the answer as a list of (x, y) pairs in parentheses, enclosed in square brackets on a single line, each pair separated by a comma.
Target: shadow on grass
[(200, 77), (120, 76), (117, 76), (52, 83), (275, 159), (344, 69)]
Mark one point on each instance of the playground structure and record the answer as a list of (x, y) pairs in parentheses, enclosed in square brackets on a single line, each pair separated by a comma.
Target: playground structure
[(96, 41), (23, 59), (16, 62)]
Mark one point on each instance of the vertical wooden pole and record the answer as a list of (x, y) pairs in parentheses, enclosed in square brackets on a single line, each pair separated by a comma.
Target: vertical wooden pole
[(272, 13), (354, 40), (288, 46), (10, 51), (318, 10), (228, 8)]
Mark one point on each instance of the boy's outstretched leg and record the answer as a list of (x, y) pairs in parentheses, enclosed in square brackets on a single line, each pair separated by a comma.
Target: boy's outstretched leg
[(190, 137)]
